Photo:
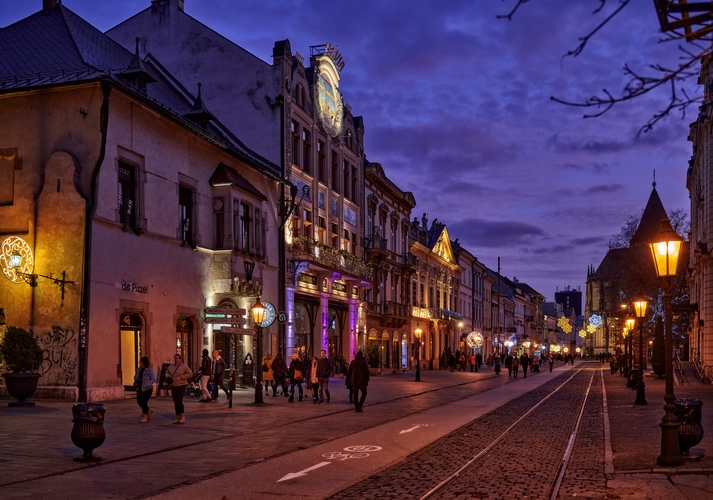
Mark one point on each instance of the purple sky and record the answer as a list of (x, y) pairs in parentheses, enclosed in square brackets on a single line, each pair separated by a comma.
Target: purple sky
[(456, 108)]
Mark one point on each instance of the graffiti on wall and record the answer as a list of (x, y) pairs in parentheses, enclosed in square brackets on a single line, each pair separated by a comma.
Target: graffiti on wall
[(59, 357)]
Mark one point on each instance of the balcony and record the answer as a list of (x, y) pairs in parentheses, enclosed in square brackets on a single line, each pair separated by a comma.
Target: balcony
[(394, 309), (432, 313), (409, 259), (331, 258)]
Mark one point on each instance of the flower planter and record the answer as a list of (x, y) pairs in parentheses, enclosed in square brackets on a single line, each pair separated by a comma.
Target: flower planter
[(373, 371), (21, 386), (88, 431)]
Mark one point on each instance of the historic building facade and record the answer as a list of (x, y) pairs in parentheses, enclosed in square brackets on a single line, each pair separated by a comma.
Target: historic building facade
[(292, 112), (121, 186), (386, 245)]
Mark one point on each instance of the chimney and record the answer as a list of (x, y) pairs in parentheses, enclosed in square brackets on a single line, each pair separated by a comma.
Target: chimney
[(49, 4), (168, 4)]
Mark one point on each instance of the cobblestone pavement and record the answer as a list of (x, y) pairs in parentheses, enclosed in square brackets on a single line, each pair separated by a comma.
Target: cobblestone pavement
[(141, 460), (518, 467), (36, 449)]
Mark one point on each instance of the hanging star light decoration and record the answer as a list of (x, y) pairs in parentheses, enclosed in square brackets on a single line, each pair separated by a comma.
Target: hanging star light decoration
[(563, 324), (591, 328), (595, 320), (582, 333)]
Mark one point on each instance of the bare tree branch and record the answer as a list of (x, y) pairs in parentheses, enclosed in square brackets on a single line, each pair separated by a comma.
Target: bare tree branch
[(639, 83), (583, 40), (514, 9)]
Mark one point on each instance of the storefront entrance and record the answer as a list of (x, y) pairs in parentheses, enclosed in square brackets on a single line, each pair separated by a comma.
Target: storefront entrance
[(185, 341), (130, 348)]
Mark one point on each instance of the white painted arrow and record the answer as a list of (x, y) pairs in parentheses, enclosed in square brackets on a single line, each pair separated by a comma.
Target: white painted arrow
[(301, 473), (410, 430)]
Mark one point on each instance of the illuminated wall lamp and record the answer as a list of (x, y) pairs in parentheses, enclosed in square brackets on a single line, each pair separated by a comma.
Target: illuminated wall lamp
[(31, 279)]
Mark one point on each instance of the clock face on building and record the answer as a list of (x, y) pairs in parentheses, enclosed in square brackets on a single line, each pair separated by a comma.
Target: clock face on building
[(269, 315), (330, 105)]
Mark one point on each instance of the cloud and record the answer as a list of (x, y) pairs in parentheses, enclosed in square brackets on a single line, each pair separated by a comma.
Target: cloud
[(492, 234), (590, 240), (604, 188)]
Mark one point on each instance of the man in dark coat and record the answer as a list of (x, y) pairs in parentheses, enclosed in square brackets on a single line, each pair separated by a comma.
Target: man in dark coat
[(279, 371), (324, 371), (525, 363), (508, 364), (358, 375), (218, 370)]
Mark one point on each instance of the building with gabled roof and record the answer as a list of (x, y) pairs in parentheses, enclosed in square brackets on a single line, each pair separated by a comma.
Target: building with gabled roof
[(119, 184)]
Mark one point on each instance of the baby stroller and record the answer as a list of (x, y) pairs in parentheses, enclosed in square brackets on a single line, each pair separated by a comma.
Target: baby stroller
[(193, 388)]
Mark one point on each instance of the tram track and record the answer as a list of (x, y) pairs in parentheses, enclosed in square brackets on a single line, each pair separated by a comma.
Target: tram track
[(503, 441)]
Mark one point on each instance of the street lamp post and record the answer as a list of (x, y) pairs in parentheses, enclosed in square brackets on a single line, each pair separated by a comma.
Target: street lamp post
[(258, 312), (630, 325), (417, 332), (665, 251), (640, 308)]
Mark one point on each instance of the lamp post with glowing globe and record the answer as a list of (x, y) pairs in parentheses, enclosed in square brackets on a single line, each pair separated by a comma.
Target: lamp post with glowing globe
[(258, 313), (418, 332), (665, 251)]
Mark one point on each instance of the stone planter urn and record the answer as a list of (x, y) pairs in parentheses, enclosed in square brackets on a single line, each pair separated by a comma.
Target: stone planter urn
[(88, 431), (373, 371), (21, 386), (690, 432)]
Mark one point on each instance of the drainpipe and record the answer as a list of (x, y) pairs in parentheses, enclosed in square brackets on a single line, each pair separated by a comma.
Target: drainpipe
[(106, 86)]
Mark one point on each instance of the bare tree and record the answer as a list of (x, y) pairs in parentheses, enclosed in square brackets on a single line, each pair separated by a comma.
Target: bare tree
[(677, 26), (679, 221)]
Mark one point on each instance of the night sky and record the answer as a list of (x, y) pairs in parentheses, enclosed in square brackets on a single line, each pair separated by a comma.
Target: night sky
[(457, 109)]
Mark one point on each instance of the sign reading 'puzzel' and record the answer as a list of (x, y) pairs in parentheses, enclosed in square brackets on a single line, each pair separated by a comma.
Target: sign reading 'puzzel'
[(134, 287)]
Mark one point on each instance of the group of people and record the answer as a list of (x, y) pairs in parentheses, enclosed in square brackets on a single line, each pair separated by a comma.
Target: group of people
[(276, 374), (177, 376), (460, 361), (315, 374)]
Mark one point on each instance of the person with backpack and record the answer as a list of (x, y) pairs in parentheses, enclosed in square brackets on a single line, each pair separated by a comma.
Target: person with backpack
[(296, 376), (267, 375), (508, 364), (515, 366)]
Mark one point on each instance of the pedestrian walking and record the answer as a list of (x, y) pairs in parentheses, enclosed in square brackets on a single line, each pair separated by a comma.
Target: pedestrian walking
[(525, 363), (296, 376), (313, 380), (508, 364), (348, 383), (218, 370), (143, 381), (177, 377), (612, 364), (472, 362), (496, 364), (551, 361), (279, 372), (478, 360), (515, 366), (205, 377), (358, 374), (267, 375), (324, 371)]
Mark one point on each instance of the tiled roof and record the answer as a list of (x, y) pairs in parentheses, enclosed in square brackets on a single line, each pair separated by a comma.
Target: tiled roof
[(650, 219), (228, 175), (57, 46), (57, 43)]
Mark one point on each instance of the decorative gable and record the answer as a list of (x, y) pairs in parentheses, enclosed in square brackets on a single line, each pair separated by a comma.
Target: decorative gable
[(443, 248)]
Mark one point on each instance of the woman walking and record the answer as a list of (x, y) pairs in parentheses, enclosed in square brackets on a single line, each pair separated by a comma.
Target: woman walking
[(313, 380), (267, 375), (143, 381), (551, 362), (296, 375), (515, 366), (177, 376)]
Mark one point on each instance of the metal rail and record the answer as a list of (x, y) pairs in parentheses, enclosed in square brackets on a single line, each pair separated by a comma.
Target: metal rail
[(504, 434), (699, 369), (678, 367)]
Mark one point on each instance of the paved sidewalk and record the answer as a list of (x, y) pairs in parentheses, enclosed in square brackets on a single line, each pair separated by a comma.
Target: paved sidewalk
[(636, 443)]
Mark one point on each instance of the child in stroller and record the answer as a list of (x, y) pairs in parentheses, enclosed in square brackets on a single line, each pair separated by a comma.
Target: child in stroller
[(193, 387)]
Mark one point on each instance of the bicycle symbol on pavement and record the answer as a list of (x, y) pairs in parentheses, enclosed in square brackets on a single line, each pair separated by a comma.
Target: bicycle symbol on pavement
[(353, 452)]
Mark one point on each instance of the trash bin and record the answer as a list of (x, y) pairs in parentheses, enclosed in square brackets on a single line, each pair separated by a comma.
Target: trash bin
[(88, 430), (689, 412)]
